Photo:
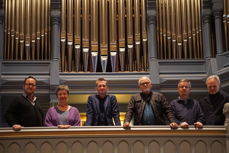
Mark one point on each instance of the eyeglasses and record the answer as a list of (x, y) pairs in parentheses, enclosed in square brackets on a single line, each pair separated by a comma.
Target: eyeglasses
[(30, 84), (144, 83), (212, 86), (100, 86), (183, 87)]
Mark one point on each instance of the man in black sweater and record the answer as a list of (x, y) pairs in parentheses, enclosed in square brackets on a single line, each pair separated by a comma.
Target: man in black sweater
[(212, 105), (24, 109)]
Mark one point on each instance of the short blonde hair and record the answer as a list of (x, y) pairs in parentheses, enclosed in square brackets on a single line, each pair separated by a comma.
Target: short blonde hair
[(100, 79), (62, 87), (216, 77), (144, 78)]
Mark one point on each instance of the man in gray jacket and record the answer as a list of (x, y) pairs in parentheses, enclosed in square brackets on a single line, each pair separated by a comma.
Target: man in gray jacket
[(149, 108)]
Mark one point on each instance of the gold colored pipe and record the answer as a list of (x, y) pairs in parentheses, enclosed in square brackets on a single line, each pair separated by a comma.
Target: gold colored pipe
[(94, 34), (5, 30), (103, 28), (164, 30), (193, 29), (27, 28), (113, 33), (33, 28), (121, 32), (200, 28), (130, 33), (137, 32), (77, 31), (225, 24), (197, 28), (8, 29), (63, 35), (145, 55), (85, 24), (144, 34), (69, 32), (103, 34), (22, 32), (94, 28), (38, 29), (77, 21), (85, 29), (46, 26), (178, 28), (49, 29), (168, 17), (77, 58), (190, 50), (184, 28), (12, 29), (17, 28), (158, 30), (42, 28), (174, 37), (63, 59), (113, 25), (161, 28)]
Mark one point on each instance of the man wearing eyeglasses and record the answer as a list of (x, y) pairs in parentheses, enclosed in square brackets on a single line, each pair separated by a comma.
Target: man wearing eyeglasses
[(24, 110), (149, 108), (187, 110), (213, 103)]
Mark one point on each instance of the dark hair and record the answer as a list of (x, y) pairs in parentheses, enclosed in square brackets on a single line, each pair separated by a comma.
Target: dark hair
[(30, 77)]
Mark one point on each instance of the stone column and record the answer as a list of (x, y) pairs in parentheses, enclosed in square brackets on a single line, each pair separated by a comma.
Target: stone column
[(152, 21), (211, 64), (217, 9), (218, 31), (206, 18), (55, 46), (152, 48), (226, 123)]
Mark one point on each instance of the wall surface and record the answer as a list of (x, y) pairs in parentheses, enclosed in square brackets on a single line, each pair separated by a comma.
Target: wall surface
[(153, 139)]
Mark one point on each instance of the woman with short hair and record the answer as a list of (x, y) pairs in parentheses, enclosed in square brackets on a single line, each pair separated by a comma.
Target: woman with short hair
[(62, 115)]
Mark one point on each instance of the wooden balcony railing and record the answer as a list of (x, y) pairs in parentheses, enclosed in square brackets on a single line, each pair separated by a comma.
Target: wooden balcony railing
[(138, 139)]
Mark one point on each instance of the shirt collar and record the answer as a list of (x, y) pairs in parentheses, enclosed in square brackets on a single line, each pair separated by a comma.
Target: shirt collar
[(34, 98), (183, 101)]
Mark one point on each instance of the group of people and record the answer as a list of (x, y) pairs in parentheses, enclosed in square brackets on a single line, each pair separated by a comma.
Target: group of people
[(145, 108)]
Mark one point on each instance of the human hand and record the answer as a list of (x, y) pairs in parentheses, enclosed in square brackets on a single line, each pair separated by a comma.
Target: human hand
[(184, 125), (63, 126), (17, 127), (198, 125), (126, 125), (173, 125)]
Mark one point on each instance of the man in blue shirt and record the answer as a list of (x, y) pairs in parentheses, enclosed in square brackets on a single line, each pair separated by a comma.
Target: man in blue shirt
[(187, 111)]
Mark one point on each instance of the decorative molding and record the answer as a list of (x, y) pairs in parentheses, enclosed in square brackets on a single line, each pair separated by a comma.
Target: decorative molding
[(107, 139)]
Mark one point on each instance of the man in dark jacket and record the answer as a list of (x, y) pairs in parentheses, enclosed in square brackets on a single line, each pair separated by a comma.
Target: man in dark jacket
[(24, 109), (187, 111), (102, 108), (149, 108), (212, 105)]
